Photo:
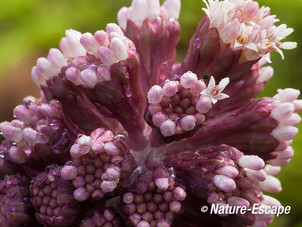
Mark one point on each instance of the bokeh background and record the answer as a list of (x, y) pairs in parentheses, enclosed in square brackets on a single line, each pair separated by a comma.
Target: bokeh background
[(28, 28)]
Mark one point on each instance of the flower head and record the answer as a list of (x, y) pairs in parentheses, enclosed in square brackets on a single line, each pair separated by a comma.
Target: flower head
[(99, 165), (243, 25), (53, 199), (215, 91), (155, 199)]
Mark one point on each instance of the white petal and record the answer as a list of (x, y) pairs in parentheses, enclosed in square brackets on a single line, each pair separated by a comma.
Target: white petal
[(288, 45), (252, 46), (223, 83), (211, 83), (221, 96)]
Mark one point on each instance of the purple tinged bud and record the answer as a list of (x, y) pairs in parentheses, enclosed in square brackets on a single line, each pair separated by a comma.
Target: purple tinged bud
[(282, 111), (111, 149), (163, 223), (23, 114), (155, 94), (56, 57), (71, 45), (101, 37), (128, 198), (138, 12), (17, 155), (143, 224), (108, 186), (153, 9), (298, 105), (106, 56), (179, 194), (72, 74), (287, 95), (162, 183), (114, 28), (271, 184), (252, 162), (188, 122), (84, 140), (119, 49), (65, 47), (88, 78), (37, 77), (228, 171), (154, 108), (45, 68), (272, 170), (285, 133), (258, 175), (170, 88), (266, 74), (30, 136), (188, 80), (175, 206), (168, 128), (270, 201), (122, 17), (89, 43), (80, 194), (238, 201), (224, 183), (69, 172), (158, 118), (198, 87), (204, 104), (10, 132), (285, 154), (173, 8), (103, 73)]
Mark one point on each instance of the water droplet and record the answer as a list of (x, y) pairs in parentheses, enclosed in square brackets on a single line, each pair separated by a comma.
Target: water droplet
[(51, 167), (26, 199), (54, 126), (128, 92), (69, 163)]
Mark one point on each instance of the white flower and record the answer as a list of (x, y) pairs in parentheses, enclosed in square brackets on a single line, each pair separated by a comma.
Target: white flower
[(242, 24), (214, 91)]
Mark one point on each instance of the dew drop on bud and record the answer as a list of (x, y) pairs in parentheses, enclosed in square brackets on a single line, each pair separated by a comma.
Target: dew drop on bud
[(128, 92)]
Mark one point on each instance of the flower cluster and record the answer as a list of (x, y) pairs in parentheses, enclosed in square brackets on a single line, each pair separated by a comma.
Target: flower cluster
[(122, 135)]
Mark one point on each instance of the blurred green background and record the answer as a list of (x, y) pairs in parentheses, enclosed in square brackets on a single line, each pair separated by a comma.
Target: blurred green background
[(28, 28)]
